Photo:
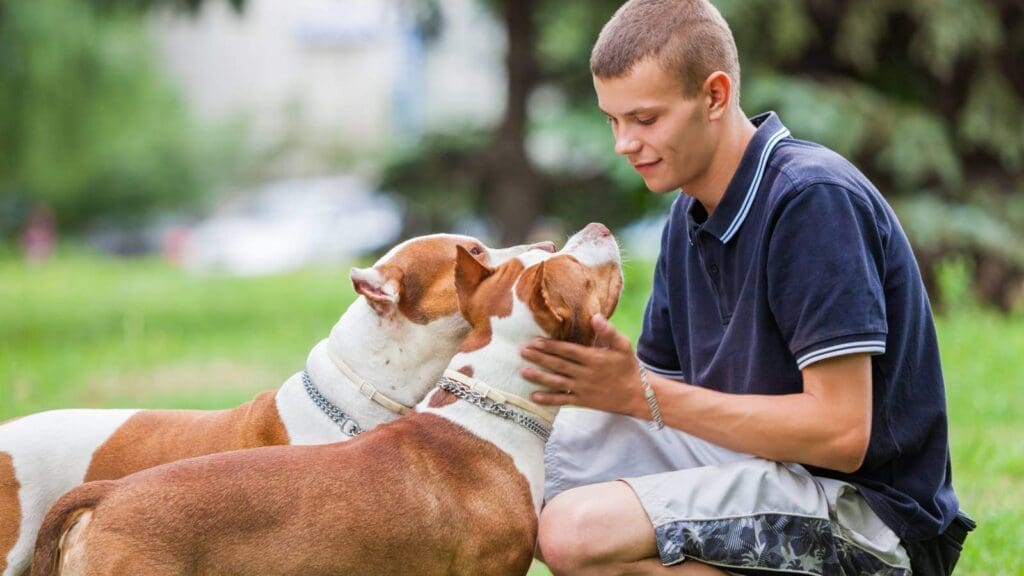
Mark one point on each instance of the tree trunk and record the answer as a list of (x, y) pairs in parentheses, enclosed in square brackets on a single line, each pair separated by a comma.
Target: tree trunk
[(515, 195)]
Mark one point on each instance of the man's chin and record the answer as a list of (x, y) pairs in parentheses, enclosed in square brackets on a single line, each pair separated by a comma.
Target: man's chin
[(661, 187)]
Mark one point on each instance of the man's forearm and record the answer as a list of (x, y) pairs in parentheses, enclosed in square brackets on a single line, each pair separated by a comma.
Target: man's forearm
[(788, 428)]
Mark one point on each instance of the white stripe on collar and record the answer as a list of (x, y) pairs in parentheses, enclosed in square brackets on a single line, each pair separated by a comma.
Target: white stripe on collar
[(754, 184)]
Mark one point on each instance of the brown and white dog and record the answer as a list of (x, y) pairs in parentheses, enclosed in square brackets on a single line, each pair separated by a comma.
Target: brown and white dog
[(450, 489), (396, 338)]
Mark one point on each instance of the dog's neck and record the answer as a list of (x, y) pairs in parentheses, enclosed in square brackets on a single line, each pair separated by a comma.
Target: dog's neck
[(497, 364), (399, 358)]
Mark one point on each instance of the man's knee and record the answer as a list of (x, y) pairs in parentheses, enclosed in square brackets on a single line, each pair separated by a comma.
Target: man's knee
[(561, 533), (597, 525)]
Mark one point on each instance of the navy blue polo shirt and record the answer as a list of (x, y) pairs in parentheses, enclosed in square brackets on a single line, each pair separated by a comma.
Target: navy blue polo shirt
[(803, 260)]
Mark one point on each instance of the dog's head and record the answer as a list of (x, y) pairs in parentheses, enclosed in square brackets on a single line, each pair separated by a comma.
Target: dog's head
[(415, 280), (541, 294)]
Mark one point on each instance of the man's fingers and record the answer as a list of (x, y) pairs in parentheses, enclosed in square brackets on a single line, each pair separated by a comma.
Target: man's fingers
[(550, 362), (567, 350), (546, 379), (552, 399), (611, 337)]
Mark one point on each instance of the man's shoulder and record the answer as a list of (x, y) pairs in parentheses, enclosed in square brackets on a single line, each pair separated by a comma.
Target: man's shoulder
[(801, 164)]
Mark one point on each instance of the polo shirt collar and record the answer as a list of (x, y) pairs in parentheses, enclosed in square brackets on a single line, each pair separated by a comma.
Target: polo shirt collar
[(739, 195)]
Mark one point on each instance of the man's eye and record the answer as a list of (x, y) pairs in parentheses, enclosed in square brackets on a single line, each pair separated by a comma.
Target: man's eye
[(609, 120), (647, 121), (475, 251)]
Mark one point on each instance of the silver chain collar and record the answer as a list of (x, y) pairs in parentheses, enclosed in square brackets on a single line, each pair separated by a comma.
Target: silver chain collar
[(345, 423), (463, 392)]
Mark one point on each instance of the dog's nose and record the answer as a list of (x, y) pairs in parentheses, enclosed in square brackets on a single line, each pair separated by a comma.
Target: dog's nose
[(597, 229)]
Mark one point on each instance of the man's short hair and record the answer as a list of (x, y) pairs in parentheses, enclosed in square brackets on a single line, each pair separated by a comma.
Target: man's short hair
[(689, 38)]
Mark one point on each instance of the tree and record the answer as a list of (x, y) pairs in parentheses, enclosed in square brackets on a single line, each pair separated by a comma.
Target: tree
[(926, 97), (88, 125)]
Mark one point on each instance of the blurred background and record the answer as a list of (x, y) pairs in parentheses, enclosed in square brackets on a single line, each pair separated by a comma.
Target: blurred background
[(183, 183), (212, 131)]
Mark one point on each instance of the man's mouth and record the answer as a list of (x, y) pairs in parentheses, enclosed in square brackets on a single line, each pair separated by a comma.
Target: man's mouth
[(643, 166)]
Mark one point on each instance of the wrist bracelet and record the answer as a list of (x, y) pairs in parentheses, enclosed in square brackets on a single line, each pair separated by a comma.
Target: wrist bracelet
[(652, 402)]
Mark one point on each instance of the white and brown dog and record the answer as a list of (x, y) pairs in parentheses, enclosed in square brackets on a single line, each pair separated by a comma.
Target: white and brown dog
[(454, 488), (384, 354)]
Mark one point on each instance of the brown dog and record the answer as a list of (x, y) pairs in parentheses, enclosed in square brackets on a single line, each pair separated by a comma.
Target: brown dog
[(451, 489)]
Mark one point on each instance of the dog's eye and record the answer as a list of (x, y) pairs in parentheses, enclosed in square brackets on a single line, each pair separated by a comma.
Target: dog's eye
[(475, 251)]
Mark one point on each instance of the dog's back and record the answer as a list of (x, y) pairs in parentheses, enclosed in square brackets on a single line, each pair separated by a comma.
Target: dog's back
[(427, 498)]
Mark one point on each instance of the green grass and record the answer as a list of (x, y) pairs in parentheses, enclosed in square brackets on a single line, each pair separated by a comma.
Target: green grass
[(89, 331)]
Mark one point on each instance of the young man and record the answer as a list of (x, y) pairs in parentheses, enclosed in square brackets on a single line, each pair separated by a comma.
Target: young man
[(788, 343)]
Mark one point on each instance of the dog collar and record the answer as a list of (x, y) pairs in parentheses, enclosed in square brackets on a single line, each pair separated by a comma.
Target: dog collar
[(487, 403), (499, 396), (346, 424), (367, 389)]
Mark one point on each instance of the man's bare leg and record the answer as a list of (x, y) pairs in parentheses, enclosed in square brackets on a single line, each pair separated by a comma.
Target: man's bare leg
[(602, 529)]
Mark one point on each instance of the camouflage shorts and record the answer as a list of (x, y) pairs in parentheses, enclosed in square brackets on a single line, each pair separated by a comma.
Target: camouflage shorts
[(755, 516)]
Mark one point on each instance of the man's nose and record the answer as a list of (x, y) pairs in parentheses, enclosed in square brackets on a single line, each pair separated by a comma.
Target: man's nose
[(626, 143)]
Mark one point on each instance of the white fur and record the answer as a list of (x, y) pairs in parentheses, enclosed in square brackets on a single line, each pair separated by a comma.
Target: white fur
[(401, 359), (51, 453)]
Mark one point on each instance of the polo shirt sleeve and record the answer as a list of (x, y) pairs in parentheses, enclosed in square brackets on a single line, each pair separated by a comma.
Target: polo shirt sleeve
[(825, 268), (656, 349)]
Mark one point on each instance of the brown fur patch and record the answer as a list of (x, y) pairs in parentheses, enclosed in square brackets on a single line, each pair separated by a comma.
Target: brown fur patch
[(439, 398), (10, 508), (609, 287), (154, 437), (561, 293), (484, 294), (427, 284), (420, 492)]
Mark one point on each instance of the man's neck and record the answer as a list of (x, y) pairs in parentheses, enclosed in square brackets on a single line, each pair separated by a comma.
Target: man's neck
[(711, 187)]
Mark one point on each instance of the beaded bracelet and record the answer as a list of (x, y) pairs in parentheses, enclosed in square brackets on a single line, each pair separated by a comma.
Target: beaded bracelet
[(656, 422)]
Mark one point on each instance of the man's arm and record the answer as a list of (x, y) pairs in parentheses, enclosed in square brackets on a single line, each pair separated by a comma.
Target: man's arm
[(828, 425)]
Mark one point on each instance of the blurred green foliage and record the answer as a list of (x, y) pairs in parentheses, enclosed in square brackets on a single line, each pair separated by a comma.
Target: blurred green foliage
[(925, 96), (88, 125)]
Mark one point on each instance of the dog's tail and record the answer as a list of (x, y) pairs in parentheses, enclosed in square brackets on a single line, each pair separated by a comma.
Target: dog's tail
[(69, 515)]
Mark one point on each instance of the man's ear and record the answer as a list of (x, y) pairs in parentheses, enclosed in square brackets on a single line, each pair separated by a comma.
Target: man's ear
[(380, 287), (469, 273), (719, 92)]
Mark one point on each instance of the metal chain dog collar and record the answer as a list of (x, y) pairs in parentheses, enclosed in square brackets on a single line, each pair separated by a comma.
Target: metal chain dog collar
[(463, 392), (346, 424)]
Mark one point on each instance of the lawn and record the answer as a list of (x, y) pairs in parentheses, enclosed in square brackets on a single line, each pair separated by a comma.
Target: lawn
[(89, 331)]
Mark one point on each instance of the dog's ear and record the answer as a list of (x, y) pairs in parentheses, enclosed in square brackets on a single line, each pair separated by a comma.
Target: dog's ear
[(380, 286), (560, 293), (469, 274)]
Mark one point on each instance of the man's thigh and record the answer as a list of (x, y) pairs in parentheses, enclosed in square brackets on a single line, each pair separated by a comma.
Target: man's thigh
[(591, 447), (757, 515)]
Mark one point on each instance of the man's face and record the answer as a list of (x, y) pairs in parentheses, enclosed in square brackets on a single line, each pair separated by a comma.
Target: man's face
[(665, 136)]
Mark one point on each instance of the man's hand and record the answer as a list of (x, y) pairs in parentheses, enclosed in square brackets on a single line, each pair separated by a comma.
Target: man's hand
[(604, 377)]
